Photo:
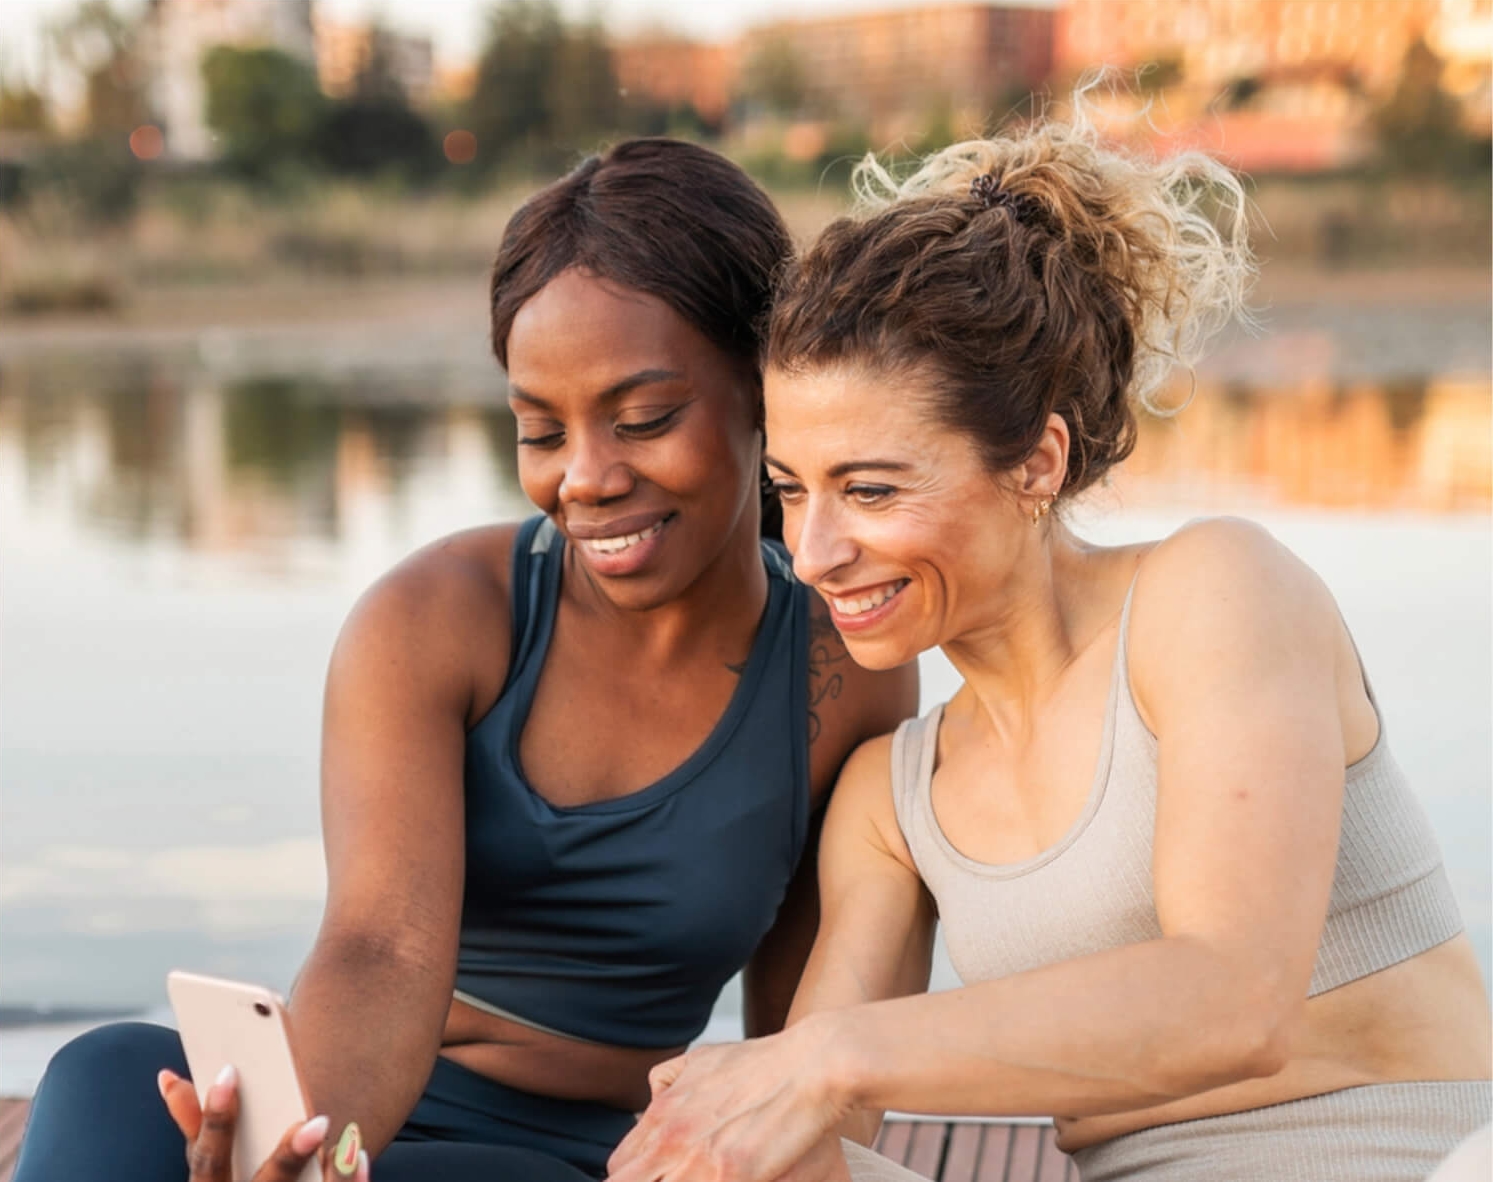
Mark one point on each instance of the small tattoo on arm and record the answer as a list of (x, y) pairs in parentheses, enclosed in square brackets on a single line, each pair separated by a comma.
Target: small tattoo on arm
[(825, 649)]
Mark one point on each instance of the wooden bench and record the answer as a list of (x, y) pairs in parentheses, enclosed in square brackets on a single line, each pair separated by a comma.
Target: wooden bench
[(948, 1151)]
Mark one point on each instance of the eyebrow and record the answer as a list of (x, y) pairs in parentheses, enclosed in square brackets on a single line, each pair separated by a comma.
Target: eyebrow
[(847, 467), (644, 377)]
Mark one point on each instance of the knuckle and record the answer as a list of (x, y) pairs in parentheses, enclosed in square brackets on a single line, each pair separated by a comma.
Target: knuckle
[(203, 1161)]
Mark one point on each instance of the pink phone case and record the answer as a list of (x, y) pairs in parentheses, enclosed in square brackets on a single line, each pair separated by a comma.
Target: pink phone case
[(224, 1022)]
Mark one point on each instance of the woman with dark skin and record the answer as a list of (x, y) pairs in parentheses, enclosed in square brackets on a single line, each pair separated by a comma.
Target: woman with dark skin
[(625, 299)]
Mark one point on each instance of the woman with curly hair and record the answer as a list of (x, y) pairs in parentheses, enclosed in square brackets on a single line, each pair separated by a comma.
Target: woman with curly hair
[(1198, 914)]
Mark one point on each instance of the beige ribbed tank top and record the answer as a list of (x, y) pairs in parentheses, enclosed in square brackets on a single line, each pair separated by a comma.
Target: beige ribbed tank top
[(1092, 890)]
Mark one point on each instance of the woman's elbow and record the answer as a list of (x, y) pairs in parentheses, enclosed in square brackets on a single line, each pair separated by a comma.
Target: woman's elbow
[(1249, 1037)]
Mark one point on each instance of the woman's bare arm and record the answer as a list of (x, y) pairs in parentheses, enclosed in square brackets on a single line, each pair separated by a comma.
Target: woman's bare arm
[(369, 1006)]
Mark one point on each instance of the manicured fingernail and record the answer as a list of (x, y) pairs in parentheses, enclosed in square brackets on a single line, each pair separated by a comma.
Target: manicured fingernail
[(349, 1145), (163, 1081), (363, 1167), (223, 1085), (310, 1135)]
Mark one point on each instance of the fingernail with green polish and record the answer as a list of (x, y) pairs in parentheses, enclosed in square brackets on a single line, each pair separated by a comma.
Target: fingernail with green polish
[(345, 1156)]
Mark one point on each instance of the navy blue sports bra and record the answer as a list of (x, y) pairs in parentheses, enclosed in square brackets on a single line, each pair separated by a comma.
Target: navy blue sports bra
[(618, 922)]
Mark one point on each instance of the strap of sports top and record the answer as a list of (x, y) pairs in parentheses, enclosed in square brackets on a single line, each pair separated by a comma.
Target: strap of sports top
[(535, 538), (914, 747)]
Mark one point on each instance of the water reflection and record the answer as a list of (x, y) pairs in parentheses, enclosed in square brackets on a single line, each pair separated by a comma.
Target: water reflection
[(1406, 445), (260, 464), (257, 464)]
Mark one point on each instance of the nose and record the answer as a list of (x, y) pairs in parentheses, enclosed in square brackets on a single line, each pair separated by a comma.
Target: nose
[(594, 472), (817, 539)]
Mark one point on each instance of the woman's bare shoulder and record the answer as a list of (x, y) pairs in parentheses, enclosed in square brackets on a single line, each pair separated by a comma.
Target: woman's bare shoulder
[(441, 615)]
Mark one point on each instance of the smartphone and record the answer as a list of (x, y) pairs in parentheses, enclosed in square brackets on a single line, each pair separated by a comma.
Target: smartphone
[(224, 1022)]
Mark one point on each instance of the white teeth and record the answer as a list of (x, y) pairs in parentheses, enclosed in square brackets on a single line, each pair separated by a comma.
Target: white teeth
[(622, 541), (865, 603)]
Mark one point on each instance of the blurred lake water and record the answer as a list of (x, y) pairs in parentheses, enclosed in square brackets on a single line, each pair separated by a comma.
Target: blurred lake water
[(184, 528)]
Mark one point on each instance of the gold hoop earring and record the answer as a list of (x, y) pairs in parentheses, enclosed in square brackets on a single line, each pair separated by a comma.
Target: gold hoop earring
[(1039, 510)]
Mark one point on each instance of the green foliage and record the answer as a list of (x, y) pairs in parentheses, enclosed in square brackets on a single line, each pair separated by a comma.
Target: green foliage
[(774, 79), (544, 89), (97, 181), (365, 137), (1419, 127), (266, 107)]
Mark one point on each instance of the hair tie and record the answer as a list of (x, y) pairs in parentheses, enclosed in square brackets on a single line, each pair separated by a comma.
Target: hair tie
[(986, 189)]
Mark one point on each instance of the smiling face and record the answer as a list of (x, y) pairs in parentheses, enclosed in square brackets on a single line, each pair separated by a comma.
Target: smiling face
[(891, 516), (637, 435)]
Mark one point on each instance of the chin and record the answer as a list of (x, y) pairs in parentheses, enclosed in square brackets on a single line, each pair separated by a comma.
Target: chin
[(879, 653)]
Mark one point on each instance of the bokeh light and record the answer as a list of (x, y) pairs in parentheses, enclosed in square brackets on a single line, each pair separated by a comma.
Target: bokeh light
[(460, 146), (146, 141)]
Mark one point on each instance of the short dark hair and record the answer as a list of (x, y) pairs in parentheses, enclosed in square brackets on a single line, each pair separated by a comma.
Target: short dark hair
[(661, 216)]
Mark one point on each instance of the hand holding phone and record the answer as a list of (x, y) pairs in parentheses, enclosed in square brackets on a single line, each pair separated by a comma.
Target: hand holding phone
[(239, 1034)]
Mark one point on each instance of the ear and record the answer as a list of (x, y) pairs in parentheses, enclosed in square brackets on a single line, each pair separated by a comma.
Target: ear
[(1046, 469)]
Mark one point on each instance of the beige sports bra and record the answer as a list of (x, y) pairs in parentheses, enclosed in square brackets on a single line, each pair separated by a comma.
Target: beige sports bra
[(1092, 890)]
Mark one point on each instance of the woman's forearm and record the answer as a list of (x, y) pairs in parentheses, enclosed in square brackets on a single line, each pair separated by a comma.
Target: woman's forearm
[(1118, 1030), (367, 1022)]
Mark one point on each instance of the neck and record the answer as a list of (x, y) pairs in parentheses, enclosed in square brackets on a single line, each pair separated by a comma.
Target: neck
[(1035, 627)]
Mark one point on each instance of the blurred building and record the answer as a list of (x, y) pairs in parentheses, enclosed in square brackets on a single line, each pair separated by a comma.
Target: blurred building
[(672, 71), (1218, 43), (343, 51), (175, 34), (880, 67), (1462, 35)]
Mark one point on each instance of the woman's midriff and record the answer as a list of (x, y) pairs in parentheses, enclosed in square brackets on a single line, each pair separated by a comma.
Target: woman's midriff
[(1426, 1018), (549, 1064)]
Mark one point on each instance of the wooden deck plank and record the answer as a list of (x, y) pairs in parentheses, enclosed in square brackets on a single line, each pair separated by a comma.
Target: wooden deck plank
[(925, 1155), (1026, 1153), (962, 1158), (995, 1153), (894, 1139)]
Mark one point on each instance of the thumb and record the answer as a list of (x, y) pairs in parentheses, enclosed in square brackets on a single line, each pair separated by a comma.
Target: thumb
[(662, 1077), (181, 1102)]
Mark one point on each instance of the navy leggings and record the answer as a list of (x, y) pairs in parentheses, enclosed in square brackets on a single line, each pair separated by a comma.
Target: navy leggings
[(97, 1115)]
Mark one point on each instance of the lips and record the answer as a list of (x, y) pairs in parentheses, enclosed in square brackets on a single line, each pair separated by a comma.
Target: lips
[(865, 607), (617, 527), (622, 547)]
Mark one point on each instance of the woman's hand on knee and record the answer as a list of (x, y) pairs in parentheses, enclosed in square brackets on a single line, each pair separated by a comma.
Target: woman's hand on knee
[(209, 1131)]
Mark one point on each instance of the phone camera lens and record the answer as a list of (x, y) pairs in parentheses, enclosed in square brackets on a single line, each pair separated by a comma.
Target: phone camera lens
[(261, 1009)]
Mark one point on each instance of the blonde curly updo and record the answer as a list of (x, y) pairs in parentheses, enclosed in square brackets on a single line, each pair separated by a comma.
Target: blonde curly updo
[(1071, 279)]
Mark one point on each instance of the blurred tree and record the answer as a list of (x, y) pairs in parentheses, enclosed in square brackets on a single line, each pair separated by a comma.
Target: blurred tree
[(584, 99), (774, 78), (544, 88), (23, 109), (509, 107), (1419, 126), (265, 105), (378, 73), (99, 44), (376, 130), (97, 181)]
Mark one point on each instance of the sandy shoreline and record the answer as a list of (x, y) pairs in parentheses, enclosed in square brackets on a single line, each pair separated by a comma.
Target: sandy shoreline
[(455, 307)]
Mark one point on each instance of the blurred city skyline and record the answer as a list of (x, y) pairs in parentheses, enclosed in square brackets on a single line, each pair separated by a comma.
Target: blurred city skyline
[(456, 27)]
